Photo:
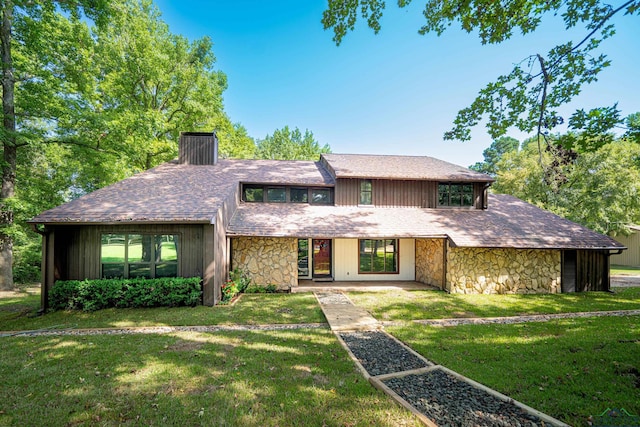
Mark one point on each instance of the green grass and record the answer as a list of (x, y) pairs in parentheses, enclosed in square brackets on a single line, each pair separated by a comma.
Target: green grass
[(625, 270), (569, 369), (20, 313), (249, 378), (414, 305)]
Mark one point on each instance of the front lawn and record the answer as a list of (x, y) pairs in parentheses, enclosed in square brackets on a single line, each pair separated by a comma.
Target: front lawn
[(248, 378), (414, 305), (570, 369), (624, 270), (20, 313)]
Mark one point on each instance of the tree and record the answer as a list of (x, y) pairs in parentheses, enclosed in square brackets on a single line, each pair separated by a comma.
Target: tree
[(41, 46), (601, 188), (100, 103), (286, 144), (494, 153), (529, 96)]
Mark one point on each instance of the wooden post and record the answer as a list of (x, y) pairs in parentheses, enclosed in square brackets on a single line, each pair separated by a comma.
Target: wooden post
[(208, 277)]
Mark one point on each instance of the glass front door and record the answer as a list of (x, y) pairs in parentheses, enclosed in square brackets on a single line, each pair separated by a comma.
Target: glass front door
[(321, 257)]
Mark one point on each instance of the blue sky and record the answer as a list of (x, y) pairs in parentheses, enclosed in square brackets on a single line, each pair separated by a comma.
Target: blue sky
[(392, 93)]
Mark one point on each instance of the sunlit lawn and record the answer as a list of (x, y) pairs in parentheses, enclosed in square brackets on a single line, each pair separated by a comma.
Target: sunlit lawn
[(625, 270), (20, 313), (569, 369), (413, 305), (250, 378)]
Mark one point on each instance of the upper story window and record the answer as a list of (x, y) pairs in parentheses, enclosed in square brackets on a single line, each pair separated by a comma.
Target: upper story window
[(299, 195), (322, 196), (282, 194), (276, 194), (455, 194), (366, 192), (253, 193), (139, 255)]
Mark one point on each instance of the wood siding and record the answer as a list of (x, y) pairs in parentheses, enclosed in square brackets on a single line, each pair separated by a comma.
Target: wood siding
[(591, 271), (198, 148), (76, 249), (398, 193)]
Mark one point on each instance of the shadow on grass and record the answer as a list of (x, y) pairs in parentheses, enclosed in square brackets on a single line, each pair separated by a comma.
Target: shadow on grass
[(261, 378), (20, 313), (570, 369), (416, 305)]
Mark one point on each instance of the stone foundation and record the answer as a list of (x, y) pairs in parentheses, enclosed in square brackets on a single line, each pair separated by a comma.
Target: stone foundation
[(430, 261), (267, 260), (502, 271)]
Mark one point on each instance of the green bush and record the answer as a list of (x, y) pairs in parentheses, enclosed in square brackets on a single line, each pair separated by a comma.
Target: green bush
[(229, 290), (240, 278), (259, 289), (90, 295)]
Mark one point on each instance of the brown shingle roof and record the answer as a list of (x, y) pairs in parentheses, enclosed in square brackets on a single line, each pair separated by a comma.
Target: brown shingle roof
[(180, 193), (509, 223), (400, 167)]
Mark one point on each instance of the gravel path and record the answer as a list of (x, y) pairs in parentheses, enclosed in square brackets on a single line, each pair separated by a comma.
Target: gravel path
[(452, 402), (380, 354), (519, 319), (162, 330), (438, 395)]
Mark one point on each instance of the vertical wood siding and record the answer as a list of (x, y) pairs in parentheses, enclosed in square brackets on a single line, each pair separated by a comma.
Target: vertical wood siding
[(592, 271), (398, 193), (198, 148), (77, 248)]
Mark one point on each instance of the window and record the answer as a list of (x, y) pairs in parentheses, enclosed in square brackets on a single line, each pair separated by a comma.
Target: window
[(366, 192), (321, 196), (282, 194), (303, 257), (139, 255), (276, 194), (378, 256), (455, 194), (299, 195), (253, 193)]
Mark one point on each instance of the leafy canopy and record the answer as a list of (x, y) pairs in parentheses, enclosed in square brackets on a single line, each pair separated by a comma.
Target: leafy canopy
[(529, 96), (286, 144)]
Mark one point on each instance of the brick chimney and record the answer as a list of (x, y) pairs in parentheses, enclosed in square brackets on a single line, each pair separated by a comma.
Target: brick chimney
[(198, 148)]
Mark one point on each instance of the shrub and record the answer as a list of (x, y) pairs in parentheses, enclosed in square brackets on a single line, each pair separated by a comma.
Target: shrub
[(259, 289), (240, 278), (90, 295), (229, 290)]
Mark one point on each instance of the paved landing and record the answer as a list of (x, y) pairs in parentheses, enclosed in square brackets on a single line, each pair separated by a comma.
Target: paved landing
[(343, 315)]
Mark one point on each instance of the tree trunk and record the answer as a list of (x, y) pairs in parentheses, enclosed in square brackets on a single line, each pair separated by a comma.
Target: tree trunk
[(9, 147)]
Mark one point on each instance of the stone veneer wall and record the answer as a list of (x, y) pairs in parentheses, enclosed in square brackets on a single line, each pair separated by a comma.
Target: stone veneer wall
[(267, 260), (430, 261), (502, 271)]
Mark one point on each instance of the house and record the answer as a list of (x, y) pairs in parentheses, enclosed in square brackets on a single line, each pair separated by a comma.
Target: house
[(344, 217), (631, 257)]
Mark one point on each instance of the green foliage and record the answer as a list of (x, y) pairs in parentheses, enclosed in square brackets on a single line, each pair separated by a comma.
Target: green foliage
[(97, 104), (494, 153), (259, 289), (286, 144), (91, 295), (529, 96), (229, 290), (599, 189), (240, 278)]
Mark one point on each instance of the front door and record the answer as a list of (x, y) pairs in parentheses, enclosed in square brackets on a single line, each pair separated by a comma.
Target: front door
[(321, 265)]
